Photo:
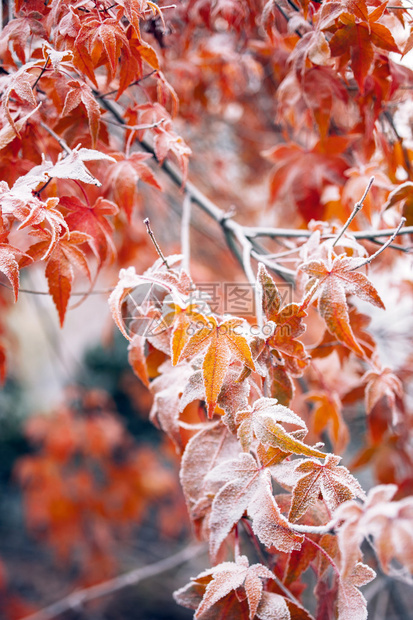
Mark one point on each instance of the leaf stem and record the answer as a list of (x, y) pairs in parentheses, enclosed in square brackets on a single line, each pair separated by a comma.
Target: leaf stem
[(326, 555)]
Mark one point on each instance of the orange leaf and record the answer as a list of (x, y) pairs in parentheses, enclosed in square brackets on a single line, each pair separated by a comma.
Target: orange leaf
[(332, 282), (222, 343)]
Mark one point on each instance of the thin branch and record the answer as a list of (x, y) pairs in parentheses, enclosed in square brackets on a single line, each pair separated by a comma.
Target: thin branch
[(394, 246), (235, 233), (356, 209), (76, 599), (246, 254), (144, 77), (368, 260), (155, 243), (283, 271), (284, 14), (60, 140), (134, 127), (185, 232), (105, 291), (41, 73), (258, 231)]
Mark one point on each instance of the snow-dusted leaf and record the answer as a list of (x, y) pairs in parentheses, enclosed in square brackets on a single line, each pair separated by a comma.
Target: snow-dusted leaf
[(222, 343), (72, 166), (273, 606), (8, 132), (386, 522), (35, 212), (241, 478), (382, 384), (334, 481), (264, 419), (332, 282), (194, 390), (145, 293), (137, 360), (203, 452), (269, 293), (9, 265), (93, 220), (167, 390), (269, 524), (217, 583), (81, 93), (326, 414), (350, 601), (61, 261)]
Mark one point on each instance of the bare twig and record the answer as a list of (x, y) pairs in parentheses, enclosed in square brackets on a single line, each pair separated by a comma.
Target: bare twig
[(41, 73), (76, 599), (60, 140), (105, 291), (368, 260), (185, 232), (394, 246), (155, 243), (134, 127), (258, 231), (246, 254), (356, 209), (237, 236)]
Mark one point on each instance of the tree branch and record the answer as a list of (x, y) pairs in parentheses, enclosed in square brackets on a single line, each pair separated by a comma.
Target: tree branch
[(76, 599), (233, 231)]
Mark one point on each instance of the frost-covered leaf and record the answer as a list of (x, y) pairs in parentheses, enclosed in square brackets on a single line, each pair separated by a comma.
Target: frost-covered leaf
[(269, 293), (333, 481), (61, 261), (167, 390), (326, 414), (141, 298), (223, 342), (72, 166), (207, 449), (387, 523), (241, 478), (332, 282), (269, 524), (217, 583), (81, 93), (382, 384), (9, 265), (350, 601), (93, 220), (137, 360), (263, 420)]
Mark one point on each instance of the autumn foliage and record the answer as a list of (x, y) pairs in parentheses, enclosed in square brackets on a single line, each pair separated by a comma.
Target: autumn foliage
[(262, 124)]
